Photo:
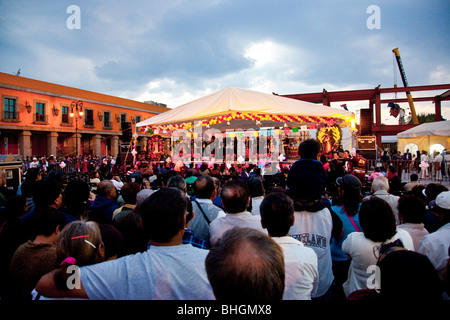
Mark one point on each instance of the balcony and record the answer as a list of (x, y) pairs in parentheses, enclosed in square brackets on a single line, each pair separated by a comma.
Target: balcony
[(10, 116), (40, 118), (89, 124), (66, 121), (107, 125)]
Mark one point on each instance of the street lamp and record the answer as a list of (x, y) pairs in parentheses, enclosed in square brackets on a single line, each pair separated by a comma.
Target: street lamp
[(78, 107)]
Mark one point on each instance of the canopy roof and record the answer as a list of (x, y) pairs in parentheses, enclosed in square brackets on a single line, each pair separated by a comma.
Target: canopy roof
[(428, 136), (440, 128), (244, 108)]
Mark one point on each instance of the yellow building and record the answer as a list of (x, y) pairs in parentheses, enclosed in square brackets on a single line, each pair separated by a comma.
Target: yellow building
[(40, 118)]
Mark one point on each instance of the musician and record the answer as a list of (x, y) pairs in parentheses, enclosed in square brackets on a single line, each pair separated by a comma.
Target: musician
[(286, 145), (359, 167), (348, 162)]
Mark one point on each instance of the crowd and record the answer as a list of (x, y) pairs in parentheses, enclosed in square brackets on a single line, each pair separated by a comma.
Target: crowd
[(80, 165), (219, 232), (435, 166)]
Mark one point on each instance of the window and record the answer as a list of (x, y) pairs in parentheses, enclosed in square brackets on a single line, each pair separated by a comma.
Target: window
[(65, 114), (9, 109), (412, 147), (436, 147), (123, 118), (107, 119), (40, 111), (88, 117), (138, 119)]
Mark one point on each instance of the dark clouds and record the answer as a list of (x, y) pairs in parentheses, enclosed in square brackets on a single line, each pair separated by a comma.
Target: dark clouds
[(174, 50)]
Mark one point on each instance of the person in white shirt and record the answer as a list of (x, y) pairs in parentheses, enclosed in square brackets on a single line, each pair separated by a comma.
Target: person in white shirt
[(301, 269), (378, 224), (436, 245), (437, 162), (235, 199), (424, 165), (411, 211), (34, 163), (380, 189), (168, 270), (314, 230), (446, 164)]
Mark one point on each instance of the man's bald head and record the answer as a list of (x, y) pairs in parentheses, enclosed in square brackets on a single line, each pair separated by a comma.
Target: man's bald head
[(106, 188), (235, 196), (246, 264), (204, 187)]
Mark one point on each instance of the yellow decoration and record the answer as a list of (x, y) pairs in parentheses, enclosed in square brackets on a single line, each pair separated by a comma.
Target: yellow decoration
[(330, 137)]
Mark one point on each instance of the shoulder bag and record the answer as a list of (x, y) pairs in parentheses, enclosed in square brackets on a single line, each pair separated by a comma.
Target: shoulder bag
[(204, 214)]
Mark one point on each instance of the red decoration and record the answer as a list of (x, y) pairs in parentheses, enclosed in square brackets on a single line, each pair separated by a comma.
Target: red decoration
[(155, 147)]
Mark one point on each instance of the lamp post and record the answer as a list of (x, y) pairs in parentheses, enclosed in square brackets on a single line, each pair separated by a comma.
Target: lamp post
[(76, 106)]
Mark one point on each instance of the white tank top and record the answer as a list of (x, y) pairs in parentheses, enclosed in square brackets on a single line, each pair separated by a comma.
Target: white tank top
[(313, 229)]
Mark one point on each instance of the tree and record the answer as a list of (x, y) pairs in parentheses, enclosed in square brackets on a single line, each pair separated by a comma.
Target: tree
[(428, 117)]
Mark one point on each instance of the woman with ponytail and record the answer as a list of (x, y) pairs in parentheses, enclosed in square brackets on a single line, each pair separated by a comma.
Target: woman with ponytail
[(79, 244)]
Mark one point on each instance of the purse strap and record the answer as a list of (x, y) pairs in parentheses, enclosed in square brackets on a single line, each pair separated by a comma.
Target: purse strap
[(204, 214), (351, 220)]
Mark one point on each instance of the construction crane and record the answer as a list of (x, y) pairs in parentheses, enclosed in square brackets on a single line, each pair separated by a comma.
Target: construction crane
[(405, 84)]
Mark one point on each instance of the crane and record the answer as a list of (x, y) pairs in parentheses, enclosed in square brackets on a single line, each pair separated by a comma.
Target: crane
[(405, 84)]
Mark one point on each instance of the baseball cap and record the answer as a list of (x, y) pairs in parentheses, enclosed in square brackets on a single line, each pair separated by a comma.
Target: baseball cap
[(349, 181), (443, 200)]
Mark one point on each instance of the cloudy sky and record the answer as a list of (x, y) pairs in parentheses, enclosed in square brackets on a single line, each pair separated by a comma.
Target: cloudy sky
[(174, 51)]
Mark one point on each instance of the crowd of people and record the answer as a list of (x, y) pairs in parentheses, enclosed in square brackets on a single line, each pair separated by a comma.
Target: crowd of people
[(218, 232), (435, 166)]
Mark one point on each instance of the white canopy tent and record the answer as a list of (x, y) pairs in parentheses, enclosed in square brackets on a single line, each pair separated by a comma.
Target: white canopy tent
[(426, 136), (244, 108)]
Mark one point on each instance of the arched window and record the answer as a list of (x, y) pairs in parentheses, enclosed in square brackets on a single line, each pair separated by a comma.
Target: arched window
[(412, 147)]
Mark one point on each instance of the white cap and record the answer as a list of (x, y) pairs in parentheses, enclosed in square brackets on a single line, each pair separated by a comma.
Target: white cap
[(443, 200)]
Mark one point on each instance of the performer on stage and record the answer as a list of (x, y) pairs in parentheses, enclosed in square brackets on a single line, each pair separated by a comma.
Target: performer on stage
[(359, 164), (286, 145), (407, 157), (348, 162)]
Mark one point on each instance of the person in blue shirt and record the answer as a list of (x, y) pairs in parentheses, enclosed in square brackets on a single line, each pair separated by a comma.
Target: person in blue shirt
[(105, 203), (347, 209)]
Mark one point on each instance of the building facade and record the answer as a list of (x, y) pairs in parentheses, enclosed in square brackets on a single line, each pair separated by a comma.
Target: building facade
[(40, 118)]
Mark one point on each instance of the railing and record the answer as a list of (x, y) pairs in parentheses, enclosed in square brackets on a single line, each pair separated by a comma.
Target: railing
[(10, 116), (66, 120), (40, 118), (107, 125), (89, 124), (405, 168)]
